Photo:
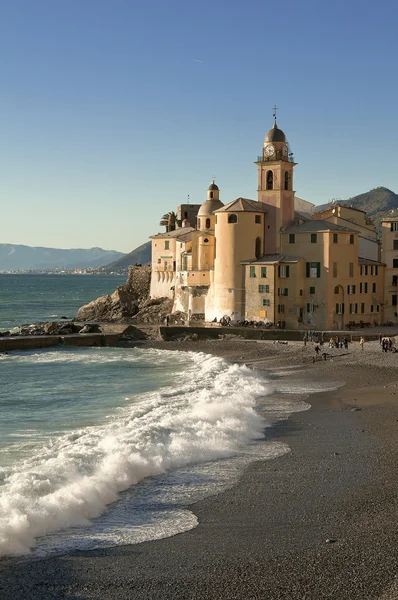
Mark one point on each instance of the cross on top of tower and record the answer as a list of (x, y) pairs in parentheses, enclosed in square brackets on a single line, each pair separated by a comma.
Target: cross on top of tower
[(274, 115)]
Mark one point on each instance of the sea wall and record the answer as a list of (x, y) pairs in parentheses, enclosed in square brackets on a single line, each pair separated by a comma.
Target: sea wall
[(22, 342)]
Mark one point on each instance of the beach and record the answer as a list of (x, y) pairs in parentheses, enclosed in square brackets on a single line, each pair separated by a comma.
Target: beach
[(317, 522)]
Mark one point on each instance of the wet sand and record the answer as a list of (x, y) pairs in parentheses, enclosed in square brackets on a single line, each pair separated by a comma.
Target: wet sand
[(267, 536)]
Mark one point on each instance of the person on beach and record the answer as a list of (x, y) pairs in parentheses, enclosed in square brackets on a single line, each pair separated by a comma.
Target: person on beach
[(345, 342), (331, 343), (362, 341)]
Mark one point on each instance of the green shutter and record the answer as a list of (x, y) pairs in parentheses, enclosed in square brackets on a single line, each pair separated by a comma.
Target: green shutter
[(318, 269), (307, 269), (287, 271)]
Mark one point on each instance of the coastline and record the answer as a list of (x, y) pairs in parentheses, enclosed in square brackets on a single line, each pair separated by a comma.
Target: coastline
[(266, 536)]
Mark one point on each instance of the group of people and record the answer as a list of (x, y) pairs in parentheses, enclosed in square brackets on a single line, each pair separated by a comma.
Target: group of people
[(386, 344), (338, 343)]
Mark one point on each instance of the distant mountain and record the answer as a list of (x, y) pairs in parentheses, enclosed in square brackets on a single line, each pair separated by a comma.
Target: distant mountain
[(377, 203), (15, 257), (141, 255)]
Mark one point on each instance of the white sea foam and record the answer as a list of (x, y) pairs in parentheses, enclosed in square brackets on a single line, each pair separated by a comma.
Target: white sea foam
[(73, 478)]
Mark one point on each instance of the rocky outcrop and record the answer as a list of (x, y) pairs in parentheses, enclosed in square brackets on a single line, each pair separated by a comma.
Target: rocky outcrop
[(153, 311), (123, 304)]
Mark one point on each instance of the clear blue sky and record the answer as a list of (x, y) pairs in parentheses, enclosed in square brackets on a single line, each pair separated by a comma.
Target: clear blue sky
[(112, 112)]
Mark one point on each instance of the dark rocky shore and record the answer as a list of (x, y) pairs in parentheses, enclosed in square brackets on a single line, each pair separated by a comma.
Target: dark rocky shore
[(319, 522)]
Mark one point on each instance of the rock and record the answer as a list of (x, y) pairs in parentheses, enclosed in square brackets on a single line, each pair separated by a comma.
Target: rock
[(331, 540), (91, 328), (66, 330), (355, 409), (123, 304), (63, 317), (132, 333), (156, 310), (51, 328), (4, 333)]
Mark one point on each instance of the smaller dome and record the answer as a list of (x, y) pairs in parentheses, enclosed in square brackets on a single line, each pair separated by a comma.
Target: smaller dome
[(209, 207), (275, 135), (213, 186)]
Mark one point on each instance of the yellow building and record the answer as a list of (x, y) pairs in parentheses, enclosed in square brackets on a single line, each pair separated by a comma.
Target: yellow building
[(389, 228), (273, 259)]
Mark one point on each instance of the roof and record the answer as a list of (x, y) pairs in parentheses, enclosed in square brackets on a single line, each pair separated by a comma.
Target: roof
[(273, 259), (275, 134), (209, 207), (243, 205), (213, 186), (176, 233), (390, 219), (314, 225), (368, 261), (331, 205)]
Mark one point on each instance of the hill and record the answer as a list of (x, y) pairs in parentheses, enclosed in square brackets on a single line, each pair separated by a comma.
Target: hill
[(17, 257), (377, 203), (141, 256)]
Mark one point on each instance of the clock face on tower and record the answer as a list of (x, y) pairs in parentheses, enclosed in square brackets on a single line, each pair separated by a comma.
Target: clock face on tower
[(269, 150)]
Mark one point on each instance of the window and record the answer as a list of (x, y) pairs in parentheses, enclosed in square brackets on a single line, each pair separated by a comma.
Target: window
[(314, 238), (206, 241), (167, 245), (292, 238), (351, 238), (362, 308), (393, 226), (207, 223), (364, 269), (351, 270), (263, 288), (353, 309), (310, 307), (211, 194), (263, 271), (395, 245), (312, 290), (313, 269), (394, 300), (340, 308), (266, 302), (301, 292), (335, 269), (283, 271), (283, 291), (258, 247), (335, 238), (395, 263), (350, 289), (374, 270), (337, 289), (377, 307), (373, 288), (185, 215), (281, 308), (252, 271), (363, 287), (395, 280), (270, 180), (232, 219), (286, 180), (371, 308), (159, 261), (257, 218)]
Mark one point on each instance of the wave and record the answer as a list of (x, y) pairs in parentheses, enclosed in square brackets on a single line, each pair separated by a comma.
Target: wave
[(208, 415)]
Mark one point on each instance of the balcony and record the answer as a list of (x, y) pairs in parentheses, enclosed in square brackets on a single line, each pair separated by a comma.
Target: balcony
[(277, 156), (194, 277)]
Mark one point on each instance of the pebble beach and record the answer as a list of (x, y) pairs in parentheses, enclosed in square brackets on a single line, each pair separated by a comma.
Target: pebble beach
[(318, 522)]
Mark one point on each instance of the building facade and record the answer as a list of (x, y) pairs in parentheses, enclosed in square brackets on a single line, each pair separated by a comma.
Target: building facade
[(274, 259)]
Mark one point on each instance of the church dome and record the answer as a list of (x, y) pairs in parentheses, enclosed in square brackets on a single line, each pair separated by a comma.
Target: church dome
[(275, 135), (209, 207), (213, 187)]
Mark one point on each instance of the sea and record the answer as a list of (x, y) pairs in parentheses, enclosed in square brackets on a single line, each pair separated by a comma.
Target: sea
[(107, 446)]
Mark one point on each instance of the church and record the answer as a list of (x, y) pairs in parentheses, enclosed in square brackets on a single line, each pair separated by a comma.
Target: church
[(274, 259)]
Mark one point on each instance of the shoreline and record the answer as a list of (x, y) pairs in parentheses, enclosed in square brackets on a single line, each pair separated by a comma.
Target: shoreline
[(266, 536)]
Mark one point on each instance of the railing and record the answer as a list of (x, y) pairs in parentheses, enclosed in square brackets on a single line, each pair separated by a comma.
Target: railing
[(277, 156)]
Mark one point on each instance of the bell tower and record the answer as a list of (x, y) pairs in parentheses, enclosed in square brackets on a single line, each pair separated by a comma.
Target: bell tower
[(275, 186)]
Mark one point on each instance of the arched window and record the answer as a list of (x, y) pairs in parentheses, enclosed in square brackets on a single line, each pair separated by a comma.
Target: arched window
[(258, 247), (232, 219), (337, 290), (211, 194), (206, 241), (286, 180), (207, 223), (270, 180)]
